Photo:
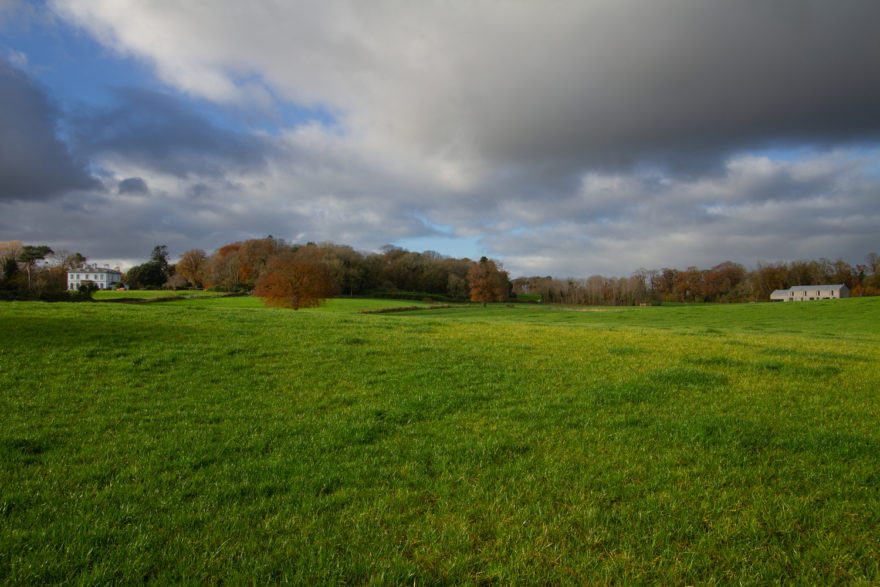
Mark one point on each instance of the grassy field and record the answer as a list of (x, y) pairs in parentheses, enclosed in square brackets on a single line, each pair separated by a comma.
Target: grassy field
[(215, 440)]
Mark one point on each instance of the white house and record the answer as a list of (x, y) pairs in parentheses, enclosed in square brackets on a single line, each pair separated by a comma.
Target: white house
[(801, 293), (103, 278)]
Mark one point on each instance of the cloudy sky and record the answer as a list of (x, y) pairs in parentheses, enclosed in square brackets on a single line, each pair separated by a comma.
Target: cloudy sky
[(562, 138)]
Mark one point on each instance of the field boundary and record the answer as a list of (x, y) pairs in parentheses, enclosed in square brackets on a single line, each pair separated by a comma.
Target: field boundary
[(167, 298), (405, 309)]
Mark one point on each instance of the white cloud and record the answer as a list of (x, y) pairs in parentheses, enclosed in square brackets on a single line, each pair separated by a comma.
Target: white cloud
[(829, 211), (17, 58)]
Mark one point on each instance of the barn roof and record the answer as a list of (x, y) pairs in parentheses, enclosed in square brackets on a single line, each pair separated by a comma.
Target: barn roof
[(835, 287)]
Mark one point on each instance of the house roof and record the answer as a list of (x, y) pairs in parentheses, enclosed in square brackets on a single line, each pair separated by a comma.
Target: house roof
[(836, 287), (95, 270)]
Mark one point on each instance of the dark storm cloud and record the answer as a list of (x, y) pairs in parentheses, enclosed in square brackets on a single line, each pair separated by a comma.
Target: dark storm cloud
[(683, 84), (34, 164), (133, 185), (164, 134)]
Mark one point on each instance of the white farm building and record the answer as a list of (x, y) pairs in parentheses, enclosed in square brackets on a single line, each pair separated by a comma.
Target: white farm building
[(103, 278), (802, 293)]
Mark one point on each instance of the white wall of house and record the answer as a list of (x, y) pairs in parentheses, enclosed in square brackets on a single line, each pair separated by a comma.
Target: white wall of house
[(103, 278)]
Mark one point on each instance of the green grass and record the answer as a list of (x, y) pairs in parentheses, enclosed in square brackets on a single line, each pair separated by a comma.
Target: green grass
[(211, 440)]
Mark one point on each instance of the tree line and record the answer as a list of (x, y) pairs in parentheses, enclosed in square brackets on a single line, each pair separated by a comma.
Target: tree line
[(726, 282), (239, 266), (295, 275)]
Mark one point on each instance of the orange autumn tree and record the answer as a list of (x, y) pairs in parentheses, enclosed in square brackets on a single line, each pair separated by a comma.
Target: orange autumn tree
[(253, 255), (223, 268), (192, 265), (487, 282), (291, 281)]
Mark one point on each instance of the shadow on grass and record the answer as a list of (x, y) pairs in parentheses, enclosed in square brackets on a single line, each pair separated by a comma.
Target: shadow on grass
[(656, 385)]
